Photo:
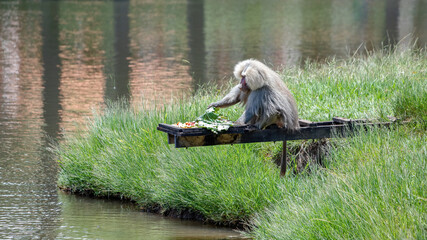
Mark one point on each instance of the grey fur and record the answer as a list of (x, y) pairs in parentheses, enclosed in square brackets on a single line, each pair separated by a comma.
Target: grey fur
[(267, 100)]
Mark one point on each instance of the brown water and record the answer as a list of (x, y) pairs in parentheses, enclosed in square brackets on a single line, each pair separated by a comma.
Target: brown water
[(61, 59)]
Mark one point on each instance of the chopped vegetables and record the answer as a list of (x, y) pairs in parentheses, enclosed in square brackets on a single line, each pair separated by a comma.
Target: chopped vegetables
[(186, 124), (210, 120)]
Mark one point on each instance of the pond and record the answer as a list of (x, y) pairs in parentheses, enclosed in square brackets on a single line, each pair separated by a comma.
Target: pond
[(59, 60)]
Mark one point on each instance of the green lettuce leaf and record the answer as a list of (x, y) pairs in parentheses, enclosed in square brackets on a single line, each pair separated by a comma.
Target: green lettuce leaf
[(213, 121)]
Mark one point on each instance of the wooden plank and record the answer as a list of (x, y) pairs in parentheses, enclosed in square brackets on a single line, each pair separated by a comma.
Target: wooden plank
[(327, 123), (304, 123), (176, 131), (267, 135), (195, 137), (341, 120)]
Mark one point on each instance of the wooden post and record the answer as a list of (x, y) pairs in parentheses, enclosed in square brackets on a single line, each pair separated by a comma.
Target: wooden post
[(283, 162)]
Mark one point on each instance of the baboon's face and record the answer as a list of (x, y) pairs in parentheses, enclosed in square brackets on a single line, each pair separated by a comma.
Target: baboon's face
[(243, 85), (243, 82)]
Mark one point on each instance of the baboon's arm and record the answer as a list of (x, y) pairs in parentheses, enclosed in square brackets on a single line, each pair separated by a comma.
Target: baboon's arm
[(233, 97)]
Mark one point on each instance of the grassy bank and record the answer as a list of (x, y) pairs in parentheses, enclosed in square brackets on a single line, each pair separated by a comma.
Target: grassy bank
[(373, 185)]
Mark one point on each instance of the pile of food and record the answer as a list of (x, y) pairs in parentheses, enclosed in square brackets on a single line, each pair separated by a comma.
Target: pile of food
[(186, 124), (210, 120)]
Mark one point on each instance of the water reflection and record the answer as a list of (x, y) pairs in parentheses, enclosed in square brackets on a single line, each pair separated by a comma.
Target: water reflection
[(86, 31), (106, 219), (159, 64), (61, 59), (51, 68), (122, 52), (196, 41)]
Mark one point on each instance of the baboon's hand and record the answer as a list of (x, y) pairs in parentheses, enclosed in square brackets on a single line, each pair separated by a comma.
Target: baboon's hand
[(215, 104)]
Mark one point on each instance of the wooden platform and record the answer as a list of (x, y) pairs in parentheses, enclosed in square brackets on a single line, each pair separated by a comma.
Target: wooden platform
[(196, 137)]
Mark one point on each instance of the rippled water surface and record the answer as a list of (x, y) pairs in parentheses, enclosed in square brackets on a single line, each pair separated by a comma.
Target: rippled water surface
[(61, 59)]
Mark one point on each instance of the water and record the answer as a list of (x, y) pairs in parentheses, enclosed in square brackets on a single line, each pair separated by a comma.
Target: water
[(61, 59)]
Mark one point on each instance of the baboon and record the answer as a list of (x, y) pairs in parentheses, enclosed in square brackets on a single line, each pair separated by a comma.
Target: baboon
[(265, 96)]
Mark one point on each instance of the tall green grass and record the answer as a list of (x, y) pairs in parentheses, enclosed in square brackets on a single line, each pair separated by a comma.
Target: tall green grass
[(411, 103), (123, 154), (373, 185)]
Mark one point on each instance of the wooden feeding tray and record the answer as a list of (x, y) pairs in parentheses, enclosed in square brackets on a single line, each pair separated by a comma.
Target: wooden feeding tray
[(197, 137)]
